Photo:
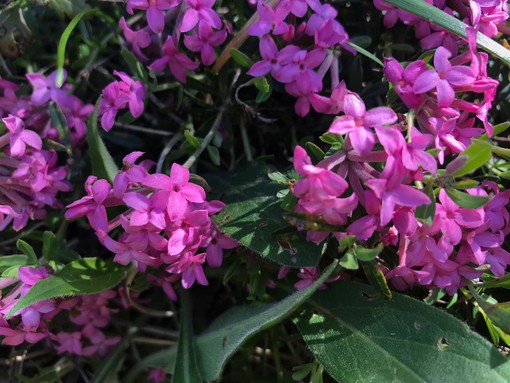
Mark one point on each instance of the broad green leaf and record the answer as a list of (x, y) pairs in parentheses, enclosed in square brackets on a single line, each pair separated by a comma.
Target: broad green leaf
[(185, 369), (228, 332), (253, 214), (436, 16), (240, 58), (465, 200), (366, 53), (28, 250), (103, 165), (86, 276), (477, 155), (360, 337), (426, 213)]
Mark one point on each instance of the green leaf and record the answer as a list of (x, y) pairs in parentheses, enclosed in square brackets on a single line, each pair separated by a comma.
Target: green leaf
[(214, 155), (86, 276), (349, 261), (465, 200), (314, 151), (366, 254), (67, 8), (50, 245), (434, 15), (366, 53), (477, 154), (465, 184), (240, 58), (265, 89), (376, 278), (7, 261), (361, 41), (191, 139), (503, 282), (185, 369), (103, 165), (60, 123), (228, 332), (360, 337), (426, 213), (28, 250), (62, 44), (498, 129), (135, 65), (502, 152), (253, 213)]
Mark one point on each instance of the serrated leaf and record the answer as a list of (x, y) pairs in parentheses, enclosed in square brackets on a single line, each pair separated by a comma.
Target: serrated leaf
[(240, 58), (477, 155), (465, 200), (86, 276), (103, 165), (360, 337), (253, 213), (436, 16)]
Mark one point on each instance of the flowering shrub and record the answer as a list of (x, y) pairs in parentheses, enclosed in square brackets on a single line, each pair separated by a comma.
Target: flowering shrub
[(315, 177)]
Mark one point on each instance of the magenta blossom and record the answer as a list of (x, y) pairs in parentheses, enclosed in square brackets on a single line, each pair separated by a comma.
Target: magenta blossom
[(178, 62), (20, 137), (205, 41), (155, 11)]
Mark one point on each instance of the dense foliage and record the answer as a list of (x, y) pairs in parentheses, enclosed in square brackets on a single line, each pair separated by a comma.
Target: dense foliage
[(290, 190)]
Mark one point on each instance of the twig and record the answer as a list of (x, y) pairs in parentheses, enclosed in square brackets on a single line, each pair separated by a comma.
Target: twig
[(168, 147)]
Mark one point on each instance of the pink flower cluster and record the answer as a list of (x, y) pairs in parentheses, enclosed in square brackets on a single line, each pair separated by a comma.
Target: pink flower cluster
[(311, 48), (484, 16), (167, 222), (29, 176), (196, 20), (33, 109), (351, 190), (118, 95), (88, 315)]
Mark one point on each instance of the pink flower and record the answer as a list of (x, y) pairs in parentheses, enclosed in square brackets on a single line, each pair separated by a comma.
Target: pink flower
[(20, 137), (358, 120), (273, 60), (443, 78), (155, 11), (137, 39), (45, 89), (270, 20), (205, 41), (178, 62), (197, 10)]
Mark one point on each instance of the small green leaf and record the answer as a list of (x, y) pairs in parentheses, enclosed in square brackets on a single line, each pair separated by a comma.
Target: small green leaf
[(349, 261), (465, 200), (331, 138), (103, 165), (50, 245), (214, 155), (426, 213), (7, 261), (86, 276), (279, 178), (366, 254), (185, 369), (465, 184), (503, 282), (191, 139), (28, 250), (135, 65), (376, 278), (477, 155), (361, 41), (264, 87), (240, 58), (498, 129), (314, 151)]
